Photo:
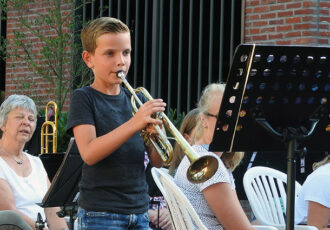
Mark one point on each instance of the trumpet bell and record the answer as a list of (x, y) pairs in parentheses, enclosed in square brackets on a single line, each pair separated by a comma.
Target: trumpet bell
[(202, 169)]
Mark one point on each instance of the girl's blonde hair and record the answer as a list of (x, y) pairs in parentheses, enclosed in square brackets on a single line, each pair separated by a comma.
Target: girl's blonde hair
[(187, 126), (232, 159), (322, 162)]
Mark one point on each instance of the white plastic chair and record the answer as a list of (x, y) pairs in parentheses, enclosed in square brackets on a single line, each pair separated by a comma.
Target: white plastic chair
[(183, 215), (265, 189)]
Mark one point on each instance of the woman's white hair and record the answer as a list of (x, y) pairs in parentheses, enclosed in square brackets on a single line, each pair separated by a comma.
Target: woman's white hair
[(13, 102)]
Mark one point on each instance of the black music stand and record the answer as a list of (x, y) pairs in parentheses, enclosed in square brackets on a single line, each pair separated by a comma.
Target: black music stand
[(63, 191), (276, 99), (52, 162)]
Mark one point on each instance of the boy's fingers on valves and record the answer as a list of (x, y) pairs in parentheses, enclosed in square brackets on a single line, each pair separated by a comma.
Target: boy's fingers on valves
[(156, 105)]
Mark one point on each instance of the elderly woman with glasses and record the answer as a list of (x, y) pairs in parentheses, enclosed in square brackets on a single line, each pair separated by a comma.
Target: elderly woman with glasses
[(23, 178), (214, 200)]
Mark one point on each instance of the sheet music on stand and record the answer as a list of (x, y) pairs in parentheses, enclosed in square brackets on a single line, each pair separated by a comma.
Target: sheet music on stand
[(276, 99), (63, 191)]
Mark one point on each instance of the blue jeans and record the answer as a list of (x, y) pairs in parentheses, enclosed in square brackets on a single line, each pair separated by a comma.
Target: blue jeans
[(109, 221)]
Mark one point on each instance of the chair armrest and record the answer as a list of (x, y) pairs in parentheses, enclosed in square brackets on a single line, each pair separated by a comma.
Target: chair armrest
[(265, 227), (298, 227)]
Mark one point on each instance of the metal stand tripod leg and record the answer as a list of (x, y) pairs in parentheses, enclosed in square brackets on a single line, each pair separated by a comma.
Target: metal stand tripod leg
[(291, 182)]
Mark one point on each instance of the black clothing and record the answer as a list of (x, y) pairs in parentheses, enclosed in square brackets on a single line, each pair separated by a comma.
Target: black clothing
[(117, 183)]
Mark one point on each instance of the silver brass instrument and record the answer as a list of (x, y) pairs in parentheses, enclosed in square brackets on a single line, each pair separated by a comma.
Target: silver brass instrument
[(200, 169)]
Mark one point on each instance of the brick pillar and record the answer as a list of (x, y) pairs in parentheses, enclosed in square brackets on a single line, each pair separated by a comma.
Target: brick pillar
[(287, 22), (20, 79)]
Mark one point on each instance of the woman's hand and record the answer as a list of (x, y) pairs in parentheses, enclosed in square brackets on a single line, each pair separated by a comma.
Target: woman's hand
[(165, 222)]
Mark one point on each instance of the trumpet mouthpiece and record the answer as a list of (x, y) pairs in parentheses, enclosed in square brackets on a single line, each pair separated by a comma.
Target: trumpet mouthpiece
[(121, 74)]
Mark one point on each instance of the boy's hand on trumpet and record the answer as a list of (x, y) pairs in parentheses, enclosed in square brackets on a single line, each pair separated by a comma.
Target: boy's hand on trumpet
[(143, 117), (145, 121)]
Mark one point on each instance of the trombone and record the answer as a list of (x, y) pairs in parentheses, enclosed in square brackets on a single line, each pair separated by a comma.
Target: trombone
[(49, 129), (201, 167)]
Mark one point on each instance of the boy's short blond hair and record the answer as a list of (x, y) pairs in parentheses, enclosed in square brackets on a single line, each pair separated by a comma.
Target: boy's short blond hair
[(98, 27)]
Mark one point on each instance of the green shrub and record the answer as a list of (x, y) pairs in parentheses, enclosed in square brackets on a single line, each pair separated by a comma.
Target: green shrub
[(176, 118), (62, 137)]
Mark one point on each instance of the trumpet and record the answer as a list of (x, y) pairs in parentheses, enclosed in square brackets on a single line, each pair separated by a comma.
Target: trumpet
[(46, 133), (201, 167)]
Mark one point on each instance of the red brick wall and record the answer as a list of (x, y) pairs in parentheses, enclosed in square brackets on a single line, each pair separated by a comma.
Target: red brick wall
[(20, 79), (266, 21), (286, 22)]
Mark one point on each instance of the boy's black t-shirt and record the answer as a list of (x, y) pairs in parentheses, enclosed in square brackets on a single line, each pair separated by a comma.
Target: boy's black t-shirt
[(117, 183)]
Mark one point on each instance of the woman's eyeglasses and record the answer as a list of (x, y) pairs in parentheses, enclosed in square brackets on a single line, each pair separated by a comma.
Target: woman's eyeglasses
[(211, 115)]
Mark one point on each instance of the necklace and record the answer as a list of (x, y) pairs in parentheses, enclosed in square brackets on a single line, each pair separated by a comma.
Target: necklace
[(19, 162)]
